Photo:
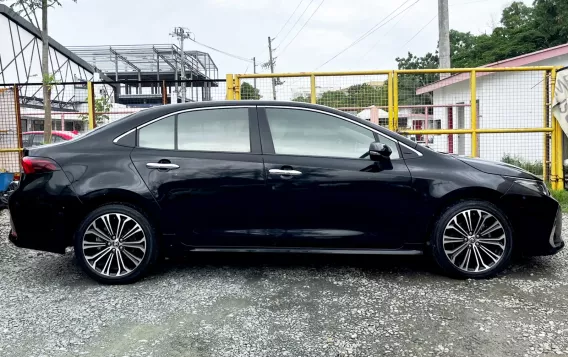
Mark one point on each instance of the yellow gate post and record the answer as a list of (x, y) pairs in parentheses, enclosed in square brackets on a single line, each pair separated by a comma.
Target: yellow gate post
[(91, 104), (395, 100), (390, 100), (313, 98), (237, 88), (558, 170), (230, 87), (473, 89)]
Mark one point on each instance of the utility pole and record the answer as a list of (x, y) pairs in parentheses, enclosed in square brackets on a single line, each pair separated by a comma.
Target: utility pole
[(254, 69), (272, 67), (444, 36), (182, 33)]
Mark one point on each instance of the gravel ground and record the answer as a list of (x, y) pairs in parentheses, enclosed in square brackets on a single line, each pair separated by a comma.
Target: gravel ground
[(280, 305)]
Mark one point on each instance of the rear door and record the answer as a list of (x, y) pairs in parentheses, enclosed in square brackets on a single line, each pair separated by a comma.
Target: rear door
[(205, 169)]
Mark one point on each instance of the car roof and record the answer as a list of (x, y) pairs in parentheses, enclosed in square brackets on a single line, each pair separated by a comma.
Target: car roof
[(133, 120)]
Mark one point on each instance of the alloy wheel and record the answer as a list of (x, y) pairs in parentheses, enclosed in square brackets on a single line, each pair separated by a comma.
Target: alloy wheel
[(474, 241), (114, 245)]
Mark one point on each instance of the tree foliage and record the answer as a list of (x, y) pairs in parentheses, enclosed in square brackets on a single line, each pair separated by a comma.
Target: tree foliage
[(249, 92), (522, 29), (358, 95)]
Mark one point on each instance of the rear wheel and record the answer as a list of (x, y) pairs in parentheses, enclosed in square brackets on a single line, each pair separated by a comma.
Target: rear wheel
[(115, 244), (472, 239)]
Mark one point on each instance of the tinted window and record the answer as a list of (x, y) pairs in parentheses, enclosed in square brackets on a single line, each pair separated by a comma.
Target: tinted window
[(56, 139), (158, 135), (301, 132), (214, 130), (37, 140), (26, 139)]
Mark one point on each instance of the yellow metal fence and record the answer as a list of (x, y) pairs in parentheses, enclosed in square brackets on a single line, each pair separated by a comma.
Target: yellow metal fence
[(501, 114)]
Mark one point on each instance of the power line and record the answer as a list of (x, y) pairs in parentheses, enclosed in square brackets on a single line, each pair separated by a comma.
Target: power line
[(369, 32), (393, 26), (287, 21), (295, 23), (304, 25), (223, 52), (419, 31)]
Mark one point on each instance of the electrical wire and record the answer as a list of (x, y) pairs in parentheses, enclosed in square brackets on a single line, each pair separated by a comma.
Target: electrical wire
[(386, 33), (377, 26), (295, 23), (223, 52), (419, 31), (289, 18), (304, 25)]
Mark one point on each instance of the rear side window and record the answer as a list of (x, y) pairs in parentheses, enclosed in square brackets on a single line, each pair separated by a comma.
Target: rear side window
[(158, 135), (224, 130)]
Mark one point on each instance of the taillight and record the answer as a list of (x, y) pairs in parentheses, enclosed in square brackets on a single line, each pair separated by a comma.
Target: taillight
[(35, 165)]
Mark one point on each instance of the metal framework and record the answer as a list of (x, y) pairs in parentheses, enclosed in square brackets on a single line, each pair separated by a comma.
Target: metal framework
[(148, 62)]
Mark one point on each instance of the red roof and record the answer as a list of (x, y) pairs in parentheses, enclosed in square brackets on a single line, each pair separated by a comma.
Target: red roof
[(518, 61)]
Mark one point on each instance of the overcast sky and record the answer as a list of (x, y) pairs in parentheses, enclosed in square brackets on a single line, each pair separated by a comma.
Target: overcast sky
[(242, 27)]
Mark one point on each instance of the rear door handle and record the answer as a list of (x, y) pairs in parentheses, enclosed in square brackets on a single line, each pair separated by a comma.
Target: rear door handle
[(284, 172), (160, 166)]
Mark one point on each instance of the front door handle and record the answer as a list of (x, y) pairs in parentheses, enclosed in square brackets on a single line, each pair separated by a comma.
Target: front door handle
[(284, 172), (161, 166)]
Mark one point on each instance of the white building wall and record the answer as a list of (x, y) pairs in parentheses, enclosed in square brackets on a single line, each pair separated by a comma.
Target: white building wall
[(506, 100)]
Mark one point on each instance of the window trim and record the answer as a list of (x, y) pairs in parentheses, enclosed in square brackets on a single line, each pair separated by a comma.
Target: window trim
[(374, 131), (253, 121)]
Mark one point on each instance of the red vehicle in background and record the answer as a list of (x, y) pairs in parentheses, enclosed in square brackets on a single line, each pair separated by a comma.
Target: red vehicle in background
[(35, 138)]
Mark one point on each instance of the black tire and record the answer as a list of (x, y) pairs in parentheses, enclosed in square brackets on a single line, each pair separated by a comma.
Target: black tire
[(150, 245), (443, 259)]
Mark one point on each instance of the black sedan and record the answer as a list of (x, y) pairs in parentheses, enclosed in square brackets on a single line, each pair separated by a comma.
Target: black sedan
[(272, 177)]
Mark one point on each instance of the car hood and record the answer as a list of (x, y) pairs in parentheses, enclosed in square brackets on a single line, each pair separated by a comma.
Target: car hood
[(497, 168)]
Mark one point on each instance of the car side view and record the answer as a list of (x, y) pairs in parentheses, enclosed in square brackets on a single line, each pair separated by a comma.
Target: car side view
[(272, 176)]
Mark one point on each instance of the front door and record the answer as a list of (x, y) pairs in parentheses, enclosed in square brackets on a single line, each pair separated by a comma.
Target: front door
[(324, 191), (204, 168)]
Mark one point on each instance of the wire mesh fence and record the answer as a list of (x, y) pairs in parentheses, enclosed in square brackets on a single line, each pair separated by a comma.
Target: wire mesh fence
[(9, 131), (512, 102), (23, 119)]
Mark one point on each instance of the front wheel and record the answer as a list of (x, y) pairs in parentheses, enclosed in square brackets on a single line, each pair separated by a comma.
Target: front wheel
[(115, 244), (472, 239)]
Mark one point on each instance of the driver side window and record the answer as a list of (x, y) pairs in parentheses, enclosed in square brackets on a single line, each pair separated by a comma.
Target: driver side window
[(302, 132)]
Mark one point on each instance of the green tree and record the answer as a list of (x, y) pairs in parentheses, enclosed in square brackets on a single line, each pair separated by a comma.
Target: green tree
[(102, 105), (30, 6), (522, 29), (249, 92)]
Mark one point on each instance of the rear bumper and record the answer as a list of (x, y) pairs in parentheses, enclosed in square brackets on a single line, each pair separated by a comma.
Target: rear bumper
[(43, 213), (43, 241)]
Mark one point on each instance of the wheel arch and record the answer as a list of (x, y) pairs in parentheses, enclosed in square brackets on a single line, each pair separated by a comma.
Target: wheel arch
[(463, 194), (149, 208)]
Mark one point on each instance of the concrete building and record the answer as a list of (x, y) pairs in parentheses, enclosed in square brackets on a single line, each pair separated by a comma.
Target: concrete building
[(504, 100)]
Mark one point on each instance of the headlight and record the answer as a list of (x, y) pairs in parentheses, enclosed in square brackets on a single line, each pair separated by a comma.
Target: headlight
[(537, 186)]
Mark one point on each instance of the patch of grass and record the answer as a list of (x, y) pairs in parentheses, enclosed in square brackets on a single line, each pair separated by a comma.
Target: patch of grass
[(534, 167), (561, 196)]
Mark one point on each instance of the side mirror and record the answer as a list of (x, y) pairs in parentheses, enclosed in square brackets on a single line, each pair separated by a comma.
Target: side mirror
[(379, 151)]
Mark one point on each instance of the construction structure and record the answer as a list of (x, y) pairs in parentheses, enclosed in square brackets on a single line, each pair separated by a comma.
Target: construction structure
[(140, 68)]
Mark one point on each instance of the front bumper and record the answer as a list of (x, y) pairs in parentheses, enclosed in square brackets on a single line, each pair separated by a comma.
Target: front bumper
[(536, 220), (555, 241)]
